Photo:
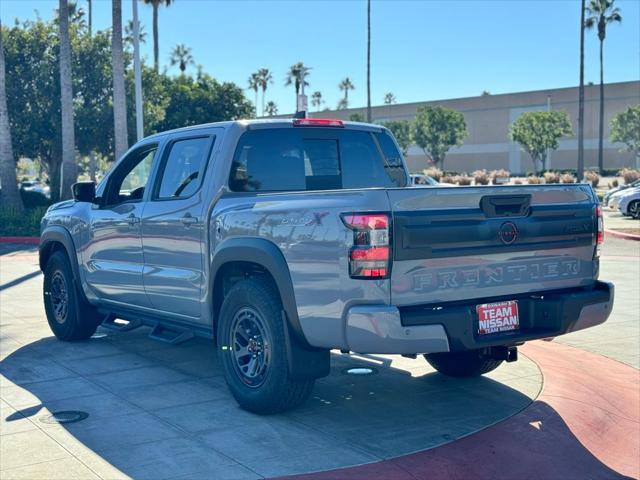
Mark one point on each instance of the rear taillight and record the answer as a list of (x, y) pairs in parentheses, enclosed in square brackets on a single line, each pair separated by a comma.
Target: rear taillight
[(370, 256), (600, 234)]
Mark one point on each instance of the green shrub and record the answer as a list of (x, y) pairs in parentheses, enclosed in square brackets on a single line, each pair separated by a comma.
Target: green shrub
[(16, 224), (34, 199)]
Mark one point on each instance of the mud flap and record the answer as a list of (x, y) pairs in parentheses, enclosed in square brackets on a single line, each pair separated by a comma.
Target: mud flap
[(304, 363)]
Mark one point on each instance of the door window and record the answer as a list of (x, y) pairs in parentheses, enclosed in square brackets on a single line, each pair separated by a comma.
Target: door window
[(184, 168), (128, 181)]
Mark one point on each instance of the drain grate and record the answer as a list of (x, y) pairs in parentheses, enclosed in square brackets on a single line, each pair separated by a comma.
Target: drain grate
[(360, 371), (66, 416)]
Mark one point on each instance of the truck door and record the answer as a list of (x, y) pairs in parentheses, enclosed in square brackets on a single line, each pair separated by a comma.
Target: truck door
[(173, 227)]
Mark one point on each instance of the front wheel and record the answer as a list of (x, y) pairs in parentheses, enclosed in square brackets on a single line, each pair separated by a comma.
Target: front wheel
[(254, 354), (70, 317), (634, 209), (470, 363)]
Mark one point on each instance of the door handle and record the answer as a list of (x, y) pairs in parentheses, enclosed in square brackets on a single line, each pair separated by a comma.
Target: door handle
[(132, 220), (188, 219)]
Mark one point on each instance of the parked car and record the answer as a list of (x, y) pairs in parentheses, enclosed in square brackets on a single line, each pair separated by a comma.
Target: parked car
[(282, 240), (614, 200), (420, 180), (629, 204), (36, 187), (607, 196)]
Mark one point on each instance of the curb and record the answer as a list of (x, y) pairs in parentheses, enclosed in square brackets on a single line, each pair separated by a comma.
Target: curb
[(24, 240), (626, 236)]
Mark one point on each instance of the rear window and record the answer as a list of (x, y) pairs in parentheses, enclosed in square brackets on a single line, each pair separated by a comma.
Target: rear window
[(297, 159)]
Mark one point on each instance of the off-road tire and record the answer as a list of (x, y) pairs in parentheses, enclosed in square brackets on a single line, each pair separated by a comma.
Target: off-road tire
[(78, 320), (277, 391), (462, 364)]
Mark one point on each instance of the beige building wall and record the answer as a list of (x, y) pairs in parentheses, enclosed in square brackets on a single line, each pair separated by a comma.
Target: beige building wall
[(488, 119)]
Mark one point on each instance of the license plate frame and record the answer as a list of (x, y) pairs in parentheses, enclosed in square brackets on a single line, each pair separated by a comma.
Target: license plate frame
[(498, 317)]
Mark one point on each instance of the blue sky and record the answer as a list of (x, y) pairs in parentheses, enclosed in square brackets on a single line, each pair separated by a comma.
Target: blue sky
[(421, 50)]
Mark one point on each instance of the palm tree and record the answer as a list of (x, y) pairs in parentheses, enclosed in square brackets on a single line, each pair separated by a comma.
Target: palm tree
[(297, 74), (128, 34), (346, 85), (155, 4), (119, 95), (254, 84), (580, 171), (271, 109), (90, 9), (264, 79), (389, 98), (10, 193), (181, 56), (369, 61), (601, 13), (316, 100), (69, 167)]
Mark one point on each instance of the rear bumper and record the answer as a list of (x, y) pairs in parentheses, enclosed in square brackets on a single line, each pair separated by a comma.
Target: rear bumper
[(454, 326)]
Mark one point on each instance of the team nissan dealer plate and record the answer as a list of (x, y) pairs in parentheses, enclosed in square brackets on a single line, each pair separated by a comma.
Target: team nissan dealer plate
[(497, 317)]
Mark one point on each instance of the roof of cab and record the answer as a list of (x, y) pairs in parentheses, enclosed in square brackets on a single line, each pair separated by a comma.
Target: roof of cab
[(260, 123)]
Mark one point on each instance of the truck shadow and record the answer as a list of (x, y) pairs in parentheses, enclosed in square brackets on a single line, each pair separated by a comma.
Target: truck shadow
[(158, 410)]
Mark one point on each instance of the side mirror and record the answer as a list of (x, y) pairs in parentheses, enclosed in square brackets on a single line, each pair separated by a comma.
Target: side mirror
[(84, 191)]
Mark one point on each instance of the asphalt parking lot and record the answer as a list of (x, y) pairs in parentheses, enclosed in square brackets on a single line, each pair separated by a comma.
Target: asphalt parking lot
[(159, 411)]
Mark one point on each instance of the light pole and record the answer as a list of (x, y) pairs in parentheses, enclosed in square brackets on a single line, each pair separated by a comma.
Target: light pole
[(580, 171), (137, 73)]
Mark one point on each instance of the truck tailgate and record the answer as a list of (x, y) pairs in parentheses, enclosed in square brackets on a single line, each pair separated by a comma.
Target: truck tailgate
[(462, 243)]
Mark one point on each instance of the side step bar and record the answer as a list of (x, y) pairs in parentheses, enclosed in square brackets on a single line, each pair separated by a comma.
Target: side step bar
[(119, 325), (173, 336)]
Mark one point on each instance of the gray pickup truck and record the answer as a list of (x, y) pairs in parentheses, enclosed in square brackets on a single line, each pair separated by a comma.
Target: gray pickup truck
[(284, 239)]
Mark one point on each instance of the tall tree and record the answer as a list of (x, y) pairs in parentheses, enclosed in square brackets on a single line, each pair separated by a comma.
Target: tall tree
[(296, 76), (539, 132), (602, 13), (316, 99), (346, 85), (265, 77), (128, 34), (254, 84), (389, 98), (119, 96), (436, 130), (580, 170), (181, 56), (10, 193), (369, 61), (401, 130), (155, 4), (271, 109), (69, 167), (90, 8), (625, 128)]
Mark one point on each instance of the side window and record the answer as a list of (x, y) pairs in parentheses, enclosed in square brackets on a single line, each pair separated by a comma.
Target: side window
[(128, 181), (183, 168)]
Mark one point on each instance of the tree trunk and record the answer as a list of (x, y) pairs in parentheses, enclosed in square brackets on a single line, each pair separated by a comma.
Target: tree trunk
[(119, 98), (10, 193), (601, 127), (580, 170), (264, 90), (70, 169), (90, 8), (369, 61), (156, 46)]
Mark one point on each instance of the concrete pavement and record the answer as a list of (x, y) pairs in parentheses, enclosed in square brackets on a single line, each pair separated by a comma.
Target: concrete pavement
[(158, 411)]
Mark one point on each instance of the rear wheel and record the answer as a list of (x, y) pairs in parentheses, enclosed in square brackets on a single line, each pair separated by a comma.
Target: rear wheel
[(70, 317), (470, 363), (254, 354)]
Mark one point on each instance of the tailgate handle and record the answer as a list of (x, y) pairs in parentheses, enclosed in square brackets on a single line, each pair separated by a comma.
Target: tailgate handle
[(505, 205)]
